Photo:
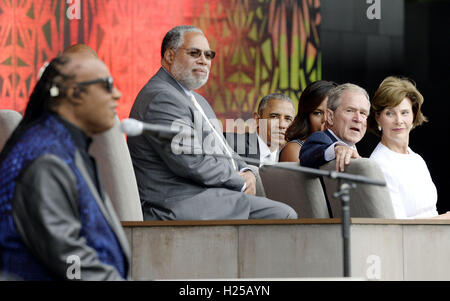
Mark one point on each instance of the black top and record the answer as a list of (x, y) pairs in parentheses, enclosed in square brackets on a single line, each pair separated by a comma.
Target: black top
[(82, 142)]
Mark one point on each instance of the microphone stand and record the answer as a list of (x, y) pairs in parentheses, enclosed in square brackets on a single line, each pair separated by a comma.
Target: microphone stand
[(344, 194)]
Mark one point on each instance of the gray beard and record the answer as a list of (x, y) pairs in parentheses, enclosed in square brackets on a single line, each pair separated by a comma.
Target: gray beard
[(186, 78), (192, 83)]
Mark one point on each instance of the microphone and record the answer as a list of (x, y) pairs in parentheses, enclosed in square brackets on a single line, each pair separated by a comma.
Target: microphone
[(132, 127)]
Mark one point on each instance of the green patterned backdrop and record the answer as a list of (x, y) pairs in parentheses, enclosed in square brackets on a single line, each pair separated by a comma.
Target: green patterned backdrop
[(264, 46)]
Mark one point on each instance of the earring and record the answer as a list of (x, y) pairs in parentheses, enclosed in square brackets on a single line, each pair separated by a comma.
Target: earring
[(54, 91), (379, 128)]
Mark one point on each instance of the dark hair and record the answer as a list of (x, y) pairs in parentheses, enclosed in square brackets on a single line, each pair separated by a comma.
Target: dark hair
[(265, 100), (174, 38), (311, 98), (40, 100)]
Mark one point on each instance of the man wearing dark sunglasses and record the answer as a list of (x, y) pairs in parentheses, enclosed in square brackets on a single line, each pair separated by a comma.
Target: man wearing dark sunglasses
[(56, 221), (190, 186)]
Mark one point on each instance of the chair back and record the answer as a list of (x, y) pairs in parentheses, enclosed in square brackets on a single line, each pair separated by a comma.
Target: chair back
[(9, 120), (110, 151), (365, 200), (302, 191)]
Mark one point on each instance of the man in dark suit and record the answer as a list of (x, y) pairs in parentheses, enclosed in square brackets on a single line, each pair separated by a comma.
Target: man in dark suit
[(346, 121), (274, 115), (190, 178)]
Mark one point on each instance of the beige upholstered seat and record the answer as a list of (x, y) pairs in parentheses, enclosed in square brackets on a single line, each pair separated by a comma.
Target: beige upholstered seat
[(9, 120), (301, 191), (365, 200), (111, 153)]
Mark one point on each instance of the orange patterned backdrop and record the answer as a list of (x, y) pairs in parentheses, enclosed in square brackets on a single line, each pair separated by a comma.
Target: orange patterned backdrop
[(263, 46)]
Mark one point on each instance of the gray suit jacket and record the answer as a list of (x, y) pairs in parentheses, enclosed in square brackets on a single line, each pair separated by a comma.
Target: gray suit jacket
[(57, 208), (183, 186)]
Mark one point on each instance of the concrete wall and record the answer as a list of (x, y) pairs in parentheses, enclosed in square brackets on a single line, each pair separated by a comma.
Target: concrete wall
[(380, 249)]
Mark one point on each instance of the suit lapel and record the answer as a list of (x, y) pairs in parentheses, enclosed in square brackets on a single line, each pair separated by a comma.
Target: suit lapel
[(252, 145), (209, 113), (329, 134), (105, 207), (117, 228), (166, 77), (82, 168)]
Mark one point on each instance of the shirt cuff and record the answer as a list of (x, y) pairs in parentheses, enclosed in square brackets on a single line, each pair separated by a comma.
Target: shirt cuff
[(244, 170), (329, 154), (251, 170)]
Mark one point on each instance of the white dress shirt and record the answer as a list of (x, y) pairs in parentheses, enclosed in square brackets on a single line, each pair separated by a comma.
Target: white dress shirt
[(329, 152), (266, 156)]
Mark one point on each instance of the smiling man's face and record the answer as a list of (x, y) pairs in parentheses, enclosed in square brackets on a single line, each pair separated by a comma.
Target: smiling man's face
[(349, 121)]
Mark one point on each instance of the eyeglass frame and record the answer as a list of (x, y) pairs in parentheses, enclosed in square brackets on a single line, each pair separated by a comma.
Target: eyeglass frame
[(109, 81), (200, 52)]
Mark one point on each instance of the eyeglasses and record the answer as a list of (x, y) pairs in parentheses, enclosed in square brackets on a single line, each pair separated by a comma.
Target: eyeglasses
[(107, 81), (196, 53)]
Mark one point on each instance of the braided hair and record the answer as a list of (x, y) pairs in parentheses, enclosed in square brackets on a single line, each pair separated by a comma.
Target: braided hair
[(41, 99), (48, 90)]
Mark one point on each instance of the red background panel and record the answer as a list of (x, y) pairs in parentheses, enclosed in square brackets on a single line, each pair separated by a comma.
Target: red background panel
[(262, 46)]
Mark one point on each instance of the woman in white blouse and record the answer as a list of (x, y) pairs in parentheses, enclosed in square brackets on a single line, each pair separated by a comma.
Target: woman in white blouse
[(395, 111)]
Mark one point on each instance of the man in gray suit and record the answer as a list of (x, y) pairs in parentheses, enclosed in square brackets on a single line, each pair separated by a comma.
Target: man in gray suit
[(195, 185)]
